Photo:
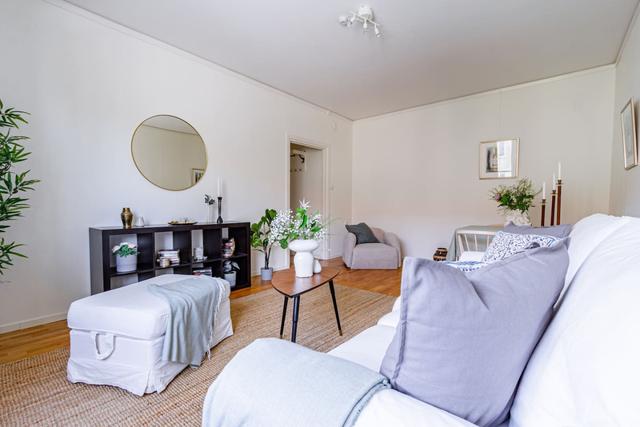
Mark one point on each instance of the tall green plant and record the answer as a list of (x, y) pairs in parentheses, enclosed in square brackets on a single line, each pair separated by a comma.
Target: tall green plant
[(13, 184), (261, 235)]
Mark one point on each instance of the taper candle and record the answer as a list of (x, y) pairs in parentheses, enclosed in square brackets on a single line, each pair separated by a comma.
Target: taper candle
[(553, 183), (559, 170), (219, 187), (544, 190)]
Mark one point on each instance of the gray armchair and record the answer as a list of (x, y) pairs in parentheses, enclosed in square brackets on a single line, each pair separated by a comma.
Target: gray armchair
[(383, 255)]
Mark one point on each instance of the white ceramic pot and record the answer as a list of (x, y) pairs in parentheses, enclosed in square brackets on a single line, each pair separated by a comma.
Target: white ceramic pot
[(266, 274), (303, 260), (517, 218), (231, 278), (317, 267), (125, 264)]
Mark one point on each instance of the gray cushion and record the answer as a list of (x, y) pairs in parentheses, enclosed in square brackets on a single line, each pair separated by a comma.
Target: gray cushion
[(363, 233), (464, 339), (559, 231)]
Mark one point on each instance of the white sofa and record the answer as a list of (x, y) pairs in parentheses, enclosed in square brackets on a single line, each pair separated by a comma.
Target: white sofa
[(585, 370)]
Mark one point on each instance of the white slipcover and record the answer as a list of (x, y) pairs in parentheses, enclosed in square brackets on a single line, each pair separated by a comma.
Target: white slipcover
[(584, 370), (117, 336)]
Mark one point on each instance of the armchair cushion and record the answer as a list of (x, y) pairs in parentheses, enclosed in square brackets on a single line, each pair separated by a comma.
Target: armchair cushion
[(374, 255), (363, 233)]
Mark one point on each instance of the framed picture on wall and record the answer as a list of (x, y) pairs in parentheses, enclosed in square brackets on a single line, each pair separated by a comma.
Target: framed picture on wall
[(196, 175), (499, 159), (629, 141)]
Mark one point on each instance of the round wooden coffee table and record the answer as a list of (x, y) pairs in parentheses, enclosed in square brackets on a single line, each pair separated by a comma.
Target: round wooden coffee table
[(290, 286)]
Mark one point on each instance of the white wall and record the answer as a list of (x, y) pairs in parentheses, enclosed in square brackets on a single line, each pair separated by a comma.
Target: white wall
[(625, 184), (416, 172), (88, 84)]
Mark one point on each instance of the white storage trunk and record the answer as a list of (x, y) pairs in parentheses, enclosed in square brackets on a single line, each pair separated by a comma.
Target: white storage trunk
[(117, 336)]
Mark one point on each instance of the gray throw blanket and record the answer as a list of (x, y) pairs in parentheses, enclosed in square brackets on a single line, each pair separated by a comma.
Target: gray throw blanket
[(193, 303), (273, 382)]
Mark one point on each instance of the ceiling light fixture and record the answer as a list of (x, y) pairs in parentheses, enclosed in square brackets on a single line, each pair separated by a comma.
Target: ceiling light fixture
[(364, 15)]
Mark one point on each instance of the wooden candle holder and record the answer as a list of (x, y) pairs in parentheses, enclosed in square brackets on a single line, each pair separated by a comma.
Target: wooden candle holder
[(543, 207), (553, 207), (559, 186)]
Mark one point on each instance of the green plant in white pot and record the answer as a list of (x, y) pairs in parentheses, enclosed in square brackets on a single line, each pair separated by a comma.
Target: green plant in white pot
[(514, 201), (301, 232), (261, 241), (126, 257)]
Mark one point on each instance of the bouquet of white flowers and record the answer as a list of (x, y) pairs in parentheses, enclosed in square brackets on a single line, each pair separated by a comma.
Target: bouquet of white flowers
[(299, 224)]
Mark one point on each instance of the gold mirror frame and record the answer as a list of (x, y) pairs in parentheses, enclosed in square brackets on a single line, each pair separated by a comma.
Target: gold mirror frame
[(206, 154)]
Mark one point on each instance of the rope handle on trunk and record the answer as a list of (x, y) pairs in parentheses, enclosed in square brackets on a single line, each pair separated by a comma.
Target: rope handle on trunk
[(109, 346)]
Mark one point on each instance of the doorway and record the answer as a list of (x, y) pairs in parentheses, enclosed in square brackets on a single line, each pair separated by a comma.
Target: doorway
[(307, 181)]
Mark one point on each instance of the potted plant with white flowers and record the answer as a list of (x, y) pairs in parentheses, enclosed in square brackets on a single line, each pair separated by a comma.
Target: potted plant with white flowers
[(515, 201), (301, 232), (126, 257)]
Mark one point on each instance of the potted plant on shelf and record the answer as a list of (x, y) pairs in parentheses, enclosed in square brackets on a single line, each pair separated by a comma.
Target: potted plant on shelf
[(229, 269), (262, 242), (301, 232), (515, 201), (126, 257)]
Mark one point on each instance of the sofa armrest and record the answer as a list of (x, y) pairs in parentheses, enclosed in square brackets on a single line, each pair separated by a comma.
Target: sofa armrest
[(348, 246), (392, 240)]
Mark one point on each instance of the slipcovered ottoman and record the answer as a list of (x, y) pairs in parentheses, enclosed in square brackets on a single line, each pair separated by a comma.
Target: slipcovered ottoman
[(117, 336)]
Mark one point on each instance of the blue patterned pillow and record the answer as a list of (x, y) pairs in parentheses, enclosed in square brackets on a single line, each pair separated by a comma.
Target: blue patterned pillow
[(465, 266), (505, 245)]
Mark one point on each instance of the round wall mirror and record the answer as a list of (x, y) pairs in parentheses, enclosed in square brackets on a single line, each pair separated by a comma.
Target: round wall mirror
[(169, 152)]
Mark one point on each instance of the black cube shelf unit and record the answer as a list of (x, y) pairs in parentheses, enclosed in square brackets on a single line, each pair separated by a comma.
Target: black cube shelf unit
[(103, 270)]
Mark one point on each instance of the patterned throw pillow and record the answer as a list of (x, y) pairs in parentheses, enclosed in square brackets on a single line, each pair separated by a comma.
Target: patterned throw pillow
[(465, 266), (505, 245)]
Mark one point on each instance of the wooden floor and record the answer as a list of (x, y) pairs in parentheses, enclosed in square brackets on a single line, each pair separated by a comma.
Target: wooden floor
[(41, 339)]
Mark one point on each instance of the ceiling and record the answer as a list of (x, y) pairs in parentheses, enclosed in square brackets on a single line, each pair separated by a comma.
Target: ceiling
[(432, 50)]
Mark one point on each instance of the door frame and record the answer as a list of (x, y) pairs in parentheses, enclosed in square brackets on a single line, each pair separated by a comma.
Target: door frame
[(325, 245)]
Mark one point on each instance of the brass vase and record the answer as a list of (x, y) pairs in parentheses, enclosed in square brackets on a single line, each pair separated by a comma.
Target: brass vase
[(127, 218)]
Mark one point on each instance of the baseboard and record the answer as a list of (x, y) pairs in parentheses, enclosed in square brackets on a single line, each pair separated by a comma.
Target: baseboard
[(275, 268), (9, 327)]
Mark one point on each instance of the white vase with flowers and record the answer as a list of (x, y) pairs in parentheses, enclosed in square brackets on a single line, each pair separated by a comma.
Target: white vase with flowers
[(301, 232)]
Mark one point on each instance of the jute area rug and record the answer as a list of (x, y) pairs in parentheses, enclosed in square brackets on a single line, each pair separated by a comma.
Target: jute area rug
[(35, 391)]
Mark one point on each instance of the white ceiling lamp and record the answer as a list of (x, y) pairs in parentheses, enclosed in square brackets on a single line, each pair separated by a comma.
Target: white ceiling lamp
[(364, 15)]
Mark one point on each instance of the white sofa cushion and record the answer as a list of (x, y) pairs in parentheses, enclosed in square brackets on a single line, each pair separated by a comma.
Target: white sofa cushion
[(390, 319), (130, 311), (586, 235), (584, 371), (367, 348), (471, 256), (390, 407)]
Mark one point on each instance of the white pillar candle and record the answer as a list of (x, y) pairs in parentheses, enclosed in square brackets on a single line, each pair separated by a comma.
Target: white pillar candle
[(559, 170), (544, 190), (219, 187)]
